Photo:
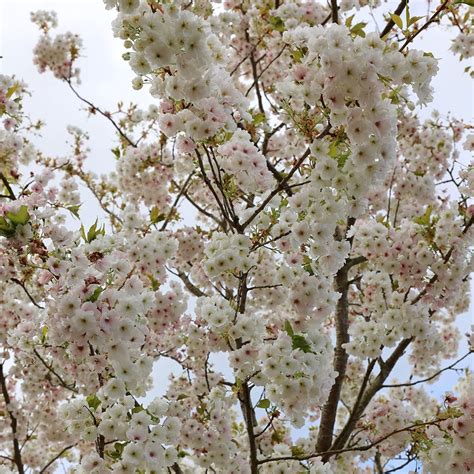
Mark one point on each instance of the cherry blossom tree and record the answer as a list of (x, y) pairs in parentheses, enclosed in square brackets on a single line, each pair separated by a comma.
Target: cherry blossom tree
[(279, 206)]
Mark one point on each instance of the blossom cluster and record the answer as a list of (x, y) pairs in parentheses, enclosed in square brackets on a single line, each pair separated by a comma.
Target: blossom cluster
[(184, 61), (451, 441), (140, 438), (56, 54), (142, 175)]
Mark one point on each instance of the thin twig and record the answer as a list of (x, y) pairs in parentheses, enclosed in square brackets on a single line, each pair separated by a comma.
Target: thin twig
[(8, 187), (175, 203), (63, 383), (427, 379), (354, 448), (94, 108), (18, 282), (433, 18), (262, 72), (53, 460), (283, 183)]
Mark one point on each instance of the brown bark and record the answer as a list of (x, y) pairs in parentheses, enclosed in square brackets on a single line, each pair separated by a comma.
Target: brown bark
[(13, 424), (328, 416)]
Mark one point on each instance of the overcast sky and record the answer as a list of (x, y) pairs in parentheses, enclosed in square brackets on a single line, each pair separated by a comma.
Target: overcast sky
[(106, 79)]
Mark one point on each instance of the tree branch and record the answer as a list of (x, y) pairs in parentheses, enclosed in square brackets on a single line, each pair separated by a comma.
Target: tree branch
[(11, 194), (377, 384), (13, 424), (334, 11), (327, 454), (175, 203), (55, 458), (101, 112), (18, 282), (329, 412), (283, 183), (390, 24), (50, 368), (427, 379), (431, 20)]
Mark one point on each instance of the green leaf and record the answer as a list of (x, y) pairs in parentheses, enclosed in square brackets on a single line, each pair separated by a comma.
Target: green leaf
[(348, 21), (74, 210), (263, 403), (95, 296), (137, 409), (155, 284), (116, 152), (397, 20), (118, 450), (297, 451), (289, 329), (333, 150), (182, 396), (44, 333), (83, 233), (298, 55), (93, 401), (12, 90), (358, 29), (259, 118), (342, 158), (414, 19), (156, 216), (277, 23), (299, 342), (92, 233), (6, 228), (465, 2), (21, 217), (307, 264), (425, 219)]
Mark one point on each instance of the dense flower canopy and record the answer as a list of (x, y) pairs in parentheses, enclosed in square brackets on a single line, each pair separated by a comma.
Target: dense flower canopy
[(331, 235)]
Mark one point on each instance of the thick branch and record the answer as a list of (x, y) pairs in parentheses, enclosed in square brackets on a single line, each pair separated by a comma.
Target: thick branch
[(328, 415), (256, 83), (334, 11), (376, 385), (249, 417), (13, 424), (385, 370), (176, 468)]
